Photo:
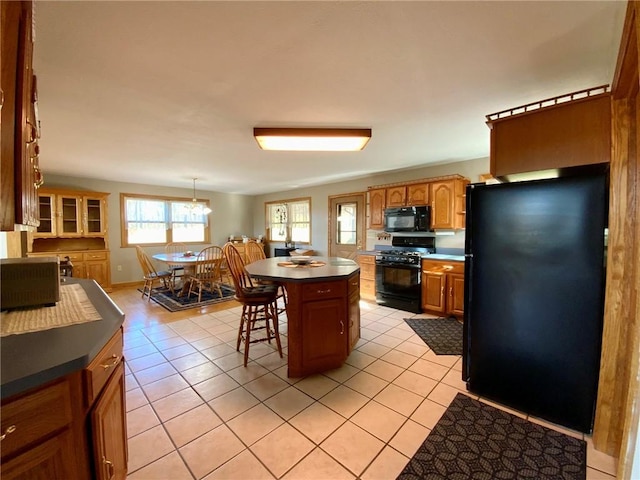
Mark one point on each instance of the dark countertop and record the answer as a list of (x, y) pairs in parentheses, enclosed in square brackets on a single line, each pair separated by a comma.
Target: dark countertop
[(334, 269), (33, 359)]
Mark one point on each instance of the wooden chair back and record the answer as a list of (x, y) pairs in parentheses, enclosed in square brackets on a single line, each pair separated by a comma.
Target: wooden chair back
[(241, 278), (145, 262), (208, 263), (175, 247), (254, 251)]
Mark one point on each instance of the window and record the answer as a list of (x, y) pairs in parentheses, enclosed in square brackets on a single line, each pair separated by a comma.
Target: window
[(289, 220), (346, 230), (147, 220)]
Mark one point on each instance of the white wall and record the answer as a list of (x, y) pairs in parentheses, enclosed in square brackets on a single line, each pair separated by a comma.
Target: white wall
[(232, 215), (471, 169)]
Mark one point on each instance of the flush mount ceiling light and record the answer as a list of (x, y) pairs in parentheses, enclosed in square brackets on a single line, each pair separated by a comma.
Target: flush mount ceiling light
[(194, 206), (312, 139)]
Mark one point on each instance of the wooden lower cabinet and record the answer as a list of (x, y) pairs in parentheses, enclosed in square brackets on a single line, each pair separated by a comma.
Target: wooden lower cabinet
[(324, 321), (367, 276), (109, 430), (52, 430), (443, 287), (324, 324), (94, 265)]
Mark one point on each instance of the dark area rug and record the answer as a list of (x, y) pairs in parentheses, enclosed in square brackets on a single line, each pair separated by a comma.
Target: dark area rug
[(173, 303), (476, 441), (443, 335)]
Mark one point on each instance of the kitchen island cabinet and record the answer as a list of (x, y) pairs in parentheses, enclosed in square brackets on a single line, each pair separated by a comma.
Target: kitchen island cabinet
[(323, 319), (63, 410)]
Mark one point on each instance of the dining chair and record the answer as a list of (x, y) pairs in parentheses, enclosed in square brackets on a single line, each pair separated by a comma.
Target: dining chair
[(207, 274), (254, 251), (176, 270), (151, 275), (259, 309)]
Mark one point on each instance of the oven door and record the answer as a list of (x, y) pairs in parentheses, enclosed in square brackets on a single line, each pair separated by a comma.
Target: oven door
[(399, 286)]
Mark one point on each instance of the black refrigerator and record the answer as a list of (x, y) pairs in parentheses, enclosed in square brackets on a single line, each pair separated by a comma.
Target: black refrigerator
[(534, 295)]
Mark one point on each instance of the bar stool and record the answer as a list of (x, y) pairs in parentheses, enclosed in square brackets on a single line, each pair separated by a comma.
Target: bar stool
[(259, 308)]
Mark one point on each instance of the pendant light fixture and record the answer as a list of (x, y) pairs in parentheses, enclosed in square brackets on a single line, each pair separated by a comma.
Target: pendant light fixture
[(196, 207)]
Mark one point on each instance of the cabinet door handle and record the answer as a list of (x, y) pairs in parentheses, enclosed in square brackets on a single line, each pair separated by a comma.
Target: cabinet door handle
[(451, 291), (10, 429), (341, 327), (109, 465), (323, 291), (116, 360)]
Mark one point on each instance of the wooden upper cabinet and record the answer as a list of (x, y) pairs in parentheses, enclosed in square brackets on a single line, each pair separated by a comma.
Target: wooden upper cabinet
[(574, 130), (418, 194), (397, 196), (18, 195), (447, 204), (377, 204), (71, 213)]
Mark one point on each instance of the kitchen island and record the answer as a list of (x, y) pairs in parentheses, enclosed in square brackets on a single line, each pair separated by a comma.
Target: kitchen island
[(323, 309), (63, 412)]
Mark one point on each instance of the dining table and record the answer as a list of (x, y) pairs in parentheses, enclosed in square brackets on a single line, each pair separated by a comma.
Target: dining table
[(188, 260), (323, 309)]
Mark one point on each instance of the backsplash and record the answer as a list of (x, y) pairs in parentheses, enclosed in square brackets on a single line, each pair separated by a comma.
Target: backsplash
[(451, 243)]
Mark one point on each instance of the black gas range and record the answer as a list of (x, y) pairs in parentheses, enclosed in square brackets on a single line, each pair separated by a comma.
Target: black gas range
[(398, 276)]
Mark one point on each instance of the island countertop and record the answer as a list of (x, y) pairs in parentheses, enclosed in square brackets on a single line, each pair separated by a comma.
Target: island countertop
[(33, 359), (333, 268)]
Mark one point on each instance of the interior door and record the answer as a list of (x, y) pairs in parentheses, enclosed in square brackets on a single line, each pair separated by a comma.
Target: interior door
[(346, 225)]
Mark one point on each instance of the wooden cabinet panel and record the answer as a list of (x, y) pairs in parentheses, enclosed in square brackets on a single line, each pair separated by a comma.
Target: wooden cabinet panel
[(396, 196), (354, 311), (34, 416), (443, 287), (455, 284), (433, 285), (101, 368), (109, 430), (324, 323), (377, 204), (52, 459), (18, 199), (367, 276), (418, 194), (567, 134), (447, 204)]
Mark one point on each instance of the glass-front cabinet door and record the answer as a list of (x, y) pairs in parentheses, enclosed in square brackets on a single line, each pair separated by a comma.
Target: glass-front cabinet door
[(94, 224), (69, 220), (47, 215)]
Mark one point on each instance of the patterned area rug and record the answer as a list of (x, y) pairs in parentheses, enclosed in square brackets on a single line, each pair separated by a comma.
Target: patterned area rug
[(174, 303), (476, 441), (443, 335)]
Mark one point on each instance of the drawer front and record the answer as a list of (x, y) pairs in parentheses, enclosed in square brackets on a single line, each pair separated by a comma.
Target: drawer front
[(28, 419), (322, 290), (101, 368), (368, 270), (442, 266), (94, 256), (366, 259)]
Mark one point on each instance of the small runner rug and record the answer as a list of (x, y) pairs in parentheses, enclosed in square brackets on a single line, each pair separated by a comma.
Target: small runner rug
[(476, 441), (74, 307), (443, 335), (173, 303)]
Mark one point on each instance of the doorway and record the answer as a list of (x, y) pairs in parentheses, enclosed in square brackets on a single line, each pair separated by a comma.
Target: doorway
[(347, 220)]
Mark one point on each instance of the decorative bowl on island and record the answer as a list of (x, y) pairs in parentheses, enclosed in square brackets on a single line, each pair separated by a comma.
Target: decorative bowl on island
[(300, 260)]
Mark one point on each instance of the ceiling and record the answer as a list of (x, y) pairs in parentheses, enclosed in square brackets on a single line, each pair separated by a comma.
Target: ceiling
[(161, 92)]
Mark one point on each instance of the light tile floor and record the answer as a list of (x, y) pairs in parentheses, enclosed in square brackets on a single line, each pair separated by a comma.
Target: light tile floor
[(194, 412)]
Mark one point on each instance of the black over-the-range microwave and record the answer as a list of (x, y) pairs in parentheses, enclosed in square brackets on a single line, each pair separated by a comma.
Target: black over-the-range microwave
[(407, 219)]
